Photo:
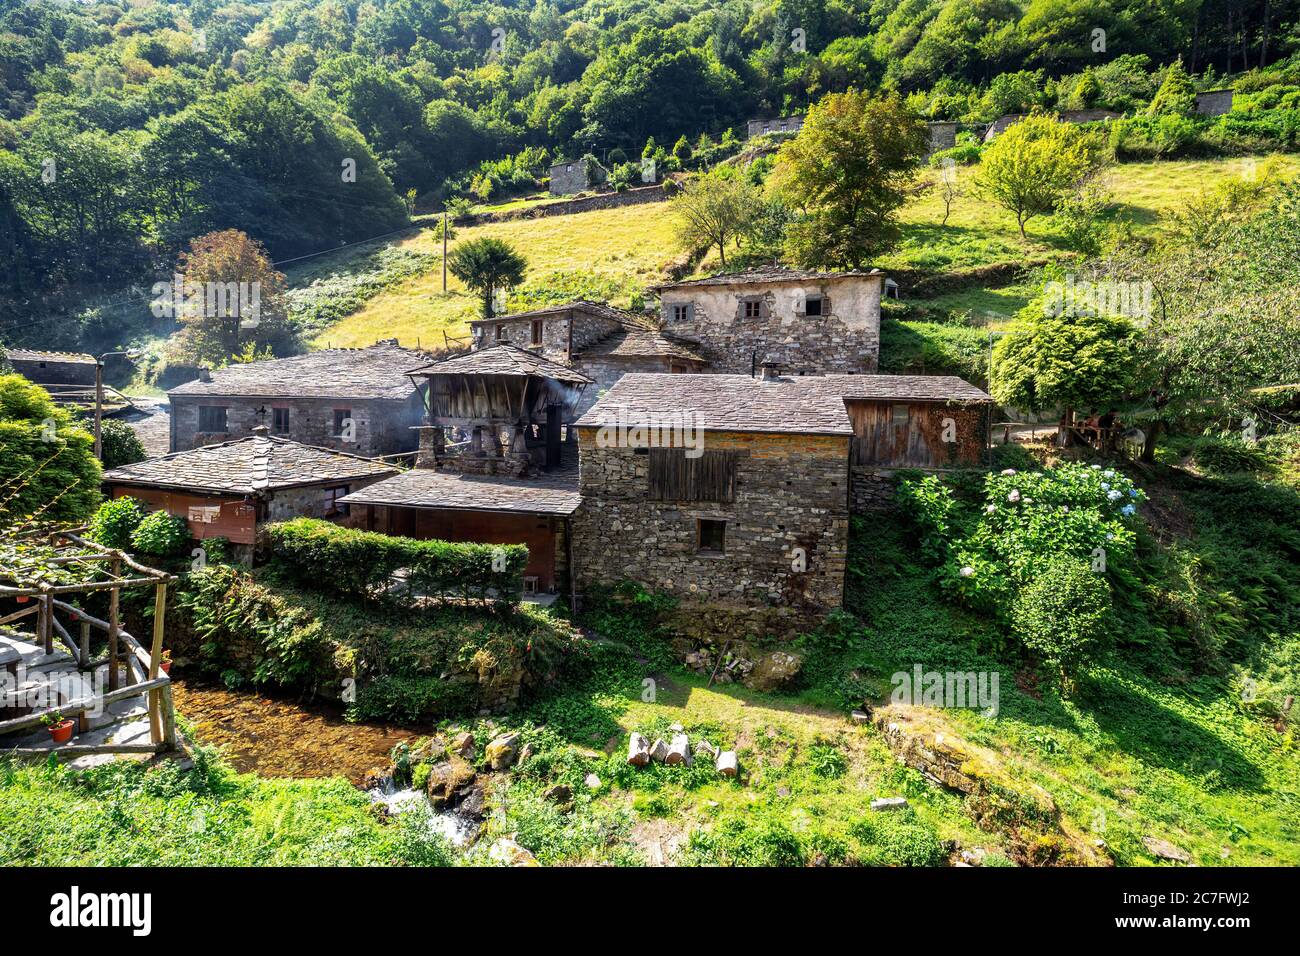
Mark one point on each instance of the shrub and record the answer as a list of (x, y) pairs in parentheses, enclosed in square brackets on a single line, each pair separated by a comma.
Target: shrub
[(897, 838), (1228, 455), (121, 444), (160, 534), (323, 554), (1063, 614), (115, 522)]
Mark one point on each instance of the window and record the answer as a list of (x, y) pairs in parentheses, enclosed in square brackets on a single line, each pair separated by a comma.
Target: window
[(501, 333), (330, 501), (530, 584), (752, 308), (711, 536), (682, 312), (898, 414), (709, 477), (813, 305), (569, 168), (280, 421), (212, 418), (537, 331), (342, 419)]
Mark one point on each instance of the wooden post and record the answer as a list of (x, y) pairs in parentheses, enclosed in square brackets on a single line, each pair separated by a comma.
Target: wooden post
[(168, 717), (114, 625), (45, 633), (85, 643), (155, 658)]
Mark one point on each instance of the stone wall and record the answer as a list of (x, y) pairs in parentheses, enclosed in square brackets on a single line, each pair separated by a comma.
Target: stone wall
[(382, 427), (782, 124), (587, 330), (607, 371), (1214, 102), (609, 200), (50, 372), (286, 503), (568, 178), (845, 340), (871, 489), (791, 493), (943, 135)]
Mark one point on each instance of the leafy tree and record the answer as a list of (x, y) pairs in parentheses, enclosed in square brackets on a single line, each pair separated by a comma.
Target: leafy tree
[(121, 445), (48, 471), (116, 520), (233, 299), (1064, 614), (485, 265), (1035, 164), (848, 169), (714, 210), (1176, 96), (161, 534)]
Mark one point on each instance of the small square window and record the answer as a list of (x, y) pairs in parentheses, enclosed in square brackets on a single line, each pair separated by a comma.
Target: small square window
[(753, 308), (280, 421), (501, 333), (682, 312), (712, 536), (530, 584), (331, 507), (212, 418), (813, 305), (342, 418), (537, 331), (899, 414)]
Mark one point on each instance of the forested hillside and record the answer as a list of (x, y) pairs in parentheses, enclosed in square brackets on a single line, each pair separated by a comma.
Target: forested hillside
[(129, 127)]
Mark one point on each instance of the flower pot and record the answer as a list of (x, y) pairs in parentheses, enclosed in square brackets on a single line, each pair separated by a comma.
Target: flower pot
[(23, 598), (61, 732), (165, 667)]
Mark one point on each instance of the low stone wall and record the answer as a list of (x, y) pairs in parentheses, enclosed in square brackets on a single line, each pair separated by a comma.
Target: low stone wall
[(612, 200), (871, 489)]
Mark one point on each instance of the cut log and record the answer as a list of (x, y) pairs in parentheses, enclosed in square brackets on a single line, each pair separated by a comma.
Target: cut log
[(727, 763), (638, 751), (659, 751), (679, 751)]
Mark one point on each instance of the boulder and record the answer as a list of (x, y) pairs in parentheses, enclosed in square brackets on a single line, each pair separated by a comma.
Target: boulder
[(860, 717), (773, 669), (592, 781), (463, 744), (560, 793), (659, 751), (1166, 850), (445, 779), (502, 751), (638, 751), (727, 763), (510, 853), (472, 801), (679, 751), (889, 803), (527, 751)]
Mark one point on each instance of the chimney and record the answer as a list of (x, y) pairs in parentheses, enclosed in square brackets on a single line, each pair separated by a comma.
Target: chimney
[(205, 375), (771, 371), (261, 431)]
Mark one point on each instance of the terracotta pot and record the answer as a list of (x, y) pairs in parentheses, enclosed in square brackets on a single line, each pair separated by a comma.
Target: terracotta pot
[(61, 732), (165, 667), (23, 598)]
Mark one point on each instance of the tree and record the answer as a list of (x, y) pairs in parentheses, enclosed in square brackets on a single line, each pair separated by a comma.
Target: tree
[(713, 210), (1035, 164), (849, 169), (485, 265), (1063, 614), (1064, 352), (949, 186), (1176, 96), (48, 471), (231, 298), (121, 444)]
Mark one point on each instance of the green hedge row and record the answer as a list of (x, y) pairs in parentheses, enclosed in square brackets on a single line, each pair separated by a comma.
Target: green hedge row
[(347, 560)]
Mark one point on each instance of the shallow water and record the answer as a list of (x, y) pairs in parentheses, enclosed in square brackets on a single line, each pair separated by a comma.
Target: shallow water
[(457, 830), (280, 738)]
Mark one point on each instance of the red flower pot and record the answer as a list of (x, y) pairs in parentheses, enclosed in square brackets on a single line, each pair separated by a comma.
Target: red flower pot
[(23, 598), (165, 667), (61, 732)]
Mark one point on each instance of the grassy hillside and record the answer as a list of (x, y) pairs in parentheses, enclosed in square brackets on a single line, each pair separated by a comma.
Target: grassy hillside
[(620, 251)]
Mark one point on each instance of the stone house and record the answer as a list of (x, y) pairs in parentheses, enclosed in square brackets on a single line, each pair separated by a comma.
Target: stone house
[(1214, 102), (781, 124), (53, 368), (598, 340), (809, 323), (359, 401), (568, 176), (228, 490), (943, 135)]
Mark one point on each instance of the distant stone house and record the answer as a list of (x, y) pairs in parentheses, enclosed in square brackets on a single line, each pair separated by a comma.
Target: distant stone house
[(568, 176), (781, 124), (53, 368), (228, 490), (359, 401), (598, 340), (1214, 102), (943, 135), (809, 323), (999, 126)]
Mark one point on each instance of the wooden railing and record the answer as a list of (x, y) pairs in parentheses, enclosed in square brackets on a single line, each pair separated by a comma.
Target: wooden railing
[(142, 668)]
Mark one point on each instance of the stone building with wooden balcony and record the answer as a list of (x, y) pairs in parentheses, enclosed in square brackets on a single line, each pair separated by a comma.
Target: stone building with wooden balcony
[(358, 401)]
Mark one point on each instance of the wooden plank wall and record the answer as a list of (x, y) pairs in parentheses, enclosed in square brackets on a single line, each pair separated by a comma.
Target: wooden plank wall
[(880, 442)]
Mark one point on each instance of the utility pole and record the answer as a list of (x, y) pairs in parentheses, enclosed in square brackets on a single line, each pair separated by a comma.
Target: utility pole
[(99, 407), (444, 249)]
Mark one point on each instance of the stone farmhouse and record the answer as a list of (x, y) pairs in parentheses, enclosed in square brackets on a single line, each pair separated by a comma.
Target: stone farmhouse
[(568, 176), (1214, 102), (229, 489), (1000, 124), (782, 124), (809, 323), (355, 400), (53, 368)]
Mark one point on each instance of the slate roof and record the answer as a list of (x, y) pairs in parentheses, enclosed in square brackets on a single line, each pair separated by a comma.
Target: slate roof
[(247, 465), (555, 493), (763, 274), (579, 305), (375, 372), (503, 360), (642, 343), (35, 355), (723, 403), (812, 404)]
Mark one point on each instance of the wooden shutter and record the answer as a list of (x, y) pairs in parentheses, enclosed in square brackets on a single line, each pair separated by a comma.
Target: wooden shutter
[(674, 477)]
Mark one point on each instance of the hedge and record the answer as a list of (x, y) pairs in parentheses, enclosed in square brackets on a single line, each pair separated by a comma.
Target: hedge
[(347, 560)]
